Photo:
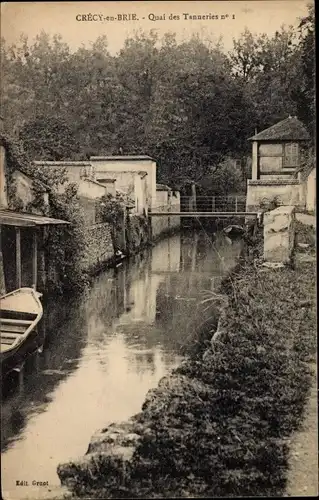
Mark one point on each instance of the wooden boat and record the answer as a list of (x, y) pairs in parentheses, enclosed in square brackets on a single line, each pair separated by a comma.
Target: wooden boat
[(20, 312), (234, 230)]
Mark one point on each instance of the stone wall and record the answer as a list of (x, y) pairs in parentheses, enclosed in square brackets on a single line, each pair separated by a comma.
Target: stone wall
[(137, 232), (99, 246), (279, 235), (165, 202), (175, 207), (311, 191), (287, 192), (160, 224)]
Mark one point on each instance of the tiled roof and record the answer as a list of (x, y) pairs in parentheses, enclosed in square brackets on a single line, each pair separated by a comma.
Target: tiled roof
[(290, 129)]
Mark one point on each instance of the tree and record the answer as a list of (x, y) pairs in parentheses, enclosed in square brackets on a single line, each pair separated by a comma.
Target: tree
[(268, 69), (49, 139), (304, 93), (187, 104)]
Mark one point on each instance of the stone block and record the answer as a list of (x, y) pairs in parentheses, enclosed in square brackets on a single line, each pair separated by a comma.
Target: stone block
[(279, 234)]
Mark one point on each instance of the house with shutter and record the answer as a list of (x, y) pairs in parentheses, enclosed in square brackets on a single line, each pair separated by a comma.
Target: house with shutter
[(278, 154)]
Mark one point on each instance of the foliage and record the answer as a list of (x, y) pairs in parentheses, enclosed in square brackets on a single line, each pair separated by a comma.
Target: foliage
[(187, 104), (112, 208), (49, 139), (16, 159), (278, 72), (307, 163), (305, 234), (268, 204), (65, 245), (305, 93), (224, 180)]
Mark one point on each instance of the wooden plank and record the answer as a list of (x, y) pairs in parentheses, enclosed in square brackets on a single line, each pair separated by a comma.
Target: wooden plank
[(35, 259), (7, 341), (6, 335), (14, 314), (13, 328), (18, 257), (16, 321), (10, 221)]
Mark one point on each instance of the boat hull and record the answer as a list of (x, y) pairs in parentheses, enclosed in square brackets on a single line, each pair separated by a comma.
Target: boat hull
[(21, 312)]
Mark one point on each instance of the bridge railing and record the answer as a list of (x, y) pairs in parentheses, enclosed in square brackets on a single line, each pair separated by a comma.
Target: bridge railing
[(213, 203)]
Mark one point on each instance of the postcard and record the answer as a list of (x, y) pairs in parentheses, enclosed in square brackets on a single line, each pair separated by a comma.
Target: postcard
[(158, 249)]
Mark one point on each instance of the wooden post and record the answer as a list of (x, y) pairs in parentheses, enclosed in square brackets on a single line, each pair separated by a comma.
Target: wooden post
[(42, 275), (194, 196), (236, 204), (2, 277), (213, 204), (124, 289), (255, 161), (34, 259), (18, 257), (20, 371), (193, 264)]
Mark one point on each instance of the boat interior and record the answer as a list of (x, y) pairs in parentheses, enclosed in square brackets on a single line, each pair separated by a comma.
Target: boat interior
[(14, 324)]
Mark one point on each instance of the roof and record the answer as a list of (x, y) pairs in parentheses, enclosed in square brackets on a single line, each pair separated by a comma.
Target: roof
[(290, 129), (20, 219), (121, 158), (63, 163), (116, 173)]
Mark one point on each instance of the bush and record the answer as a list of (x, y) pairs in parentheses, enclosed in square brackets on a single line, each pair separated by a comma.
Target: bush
[(65, 245)]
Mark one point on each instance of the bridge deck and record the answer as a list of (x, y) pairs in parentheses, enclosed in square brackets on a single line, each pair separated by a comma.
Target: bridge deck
[(204, 214)]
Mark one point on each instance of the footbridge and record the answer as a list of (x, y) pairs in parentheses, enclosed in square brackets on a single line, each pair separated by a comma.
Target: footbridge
[(206, 206)]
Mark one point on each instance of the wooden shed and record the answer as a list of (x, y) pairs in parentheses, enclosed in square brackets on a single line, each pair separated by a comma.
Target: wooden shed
[(21, 236)]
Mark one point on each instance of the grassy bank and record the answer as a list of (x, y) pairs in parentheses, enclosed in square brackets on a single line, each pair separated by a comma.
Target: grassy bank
[(220, 425)]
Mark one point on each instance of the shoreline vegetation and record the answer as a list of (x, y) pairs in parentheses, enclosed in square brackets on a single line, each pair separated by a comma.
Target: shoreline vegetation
[(221, 424)]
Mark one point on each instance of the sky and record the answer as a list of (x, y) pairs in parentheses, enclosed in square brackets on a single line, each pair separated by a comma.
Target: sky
[(82, 22)]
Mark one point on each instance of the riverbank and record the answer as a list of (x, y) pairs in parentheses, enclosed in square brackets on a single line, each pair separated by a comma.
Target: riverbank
[(221, 423), (303, 458)]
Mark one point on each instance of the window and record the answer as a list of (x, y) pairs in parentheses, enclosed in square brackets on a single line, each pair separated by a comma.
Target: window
[(291, 155)]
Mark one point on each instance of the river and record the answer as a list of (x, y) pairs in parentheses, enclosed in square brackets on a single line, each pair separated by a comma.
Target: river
[(108, 349)]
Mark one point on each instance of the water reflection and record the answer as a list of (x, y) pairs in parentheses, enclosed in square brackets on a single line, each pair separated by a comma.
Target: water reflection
[(103, 353)]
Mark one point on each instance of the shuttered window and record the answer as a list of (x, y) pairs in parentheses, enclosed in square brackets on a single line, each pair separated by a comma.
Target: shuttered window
[(291, 155)]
